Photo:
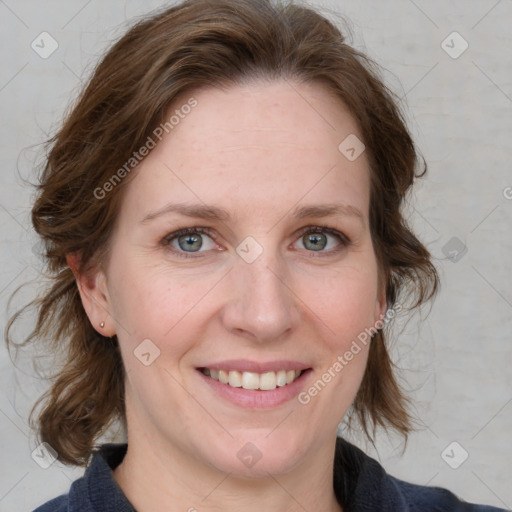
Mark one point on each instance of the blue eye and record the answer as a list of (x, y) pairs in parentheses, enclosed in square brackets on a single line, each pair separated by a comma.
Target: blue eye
[(315, 239), (189, 240)]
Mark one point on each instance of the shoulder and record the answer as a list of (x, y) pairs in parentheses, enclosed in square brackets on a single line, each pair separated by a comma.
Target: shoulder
[(59, 504), (77, 500), (97, 490), (363, 485), (423, 498)]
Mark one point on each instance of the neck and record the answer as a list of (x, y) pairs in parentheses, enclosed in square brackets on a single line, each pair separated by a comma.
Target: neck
[(159, 476)]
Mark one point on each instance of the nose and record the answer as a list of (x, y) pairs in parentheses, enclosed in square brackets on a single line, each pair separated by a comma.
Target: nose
[(262, 306)]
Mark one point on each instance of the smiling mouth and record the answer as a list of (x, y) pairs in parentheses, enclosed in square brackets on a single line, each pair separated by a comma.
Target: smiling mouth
[(254, 381)]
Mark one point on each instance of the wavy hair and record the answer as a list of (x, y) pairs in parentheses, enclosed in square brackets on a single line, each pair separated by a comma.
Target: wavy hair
[(197, 43)]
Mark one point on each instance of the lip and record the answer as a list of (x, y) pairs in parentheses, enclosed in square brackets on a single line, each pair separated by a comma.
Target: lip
[(244, 365), (252, 398)]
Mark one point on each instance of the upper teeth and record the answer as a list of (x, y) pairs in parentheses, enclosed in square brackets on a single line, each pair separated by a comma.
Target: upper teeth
[(250, 380)]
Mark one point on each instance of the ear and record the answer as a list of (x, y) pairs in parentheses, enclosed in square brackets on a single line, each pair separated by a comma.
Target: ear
[(92, 286), (381, 305), (380, 308)]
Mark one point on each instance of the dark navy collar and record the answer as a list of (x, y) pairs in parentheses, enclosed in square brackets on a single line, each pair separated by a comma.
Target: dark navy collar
[(97, 490), (360, 484)]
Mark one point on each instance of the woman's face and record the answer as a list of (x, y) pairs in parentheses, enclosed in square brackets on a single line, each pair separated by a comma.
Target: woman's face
[(251, 292)]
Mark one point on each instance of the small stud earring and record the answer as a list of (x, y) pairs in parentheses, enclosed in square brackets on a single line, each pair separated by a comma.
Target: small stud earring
[(102, 324)]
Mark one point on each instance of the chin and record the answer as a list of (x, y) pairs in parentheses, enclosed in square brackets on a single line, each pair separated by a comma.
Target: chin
[(255, 456)]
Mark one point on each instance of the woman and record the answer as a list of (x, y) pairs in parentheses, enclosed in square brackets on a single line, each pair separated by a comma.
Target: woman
[(222, 218)]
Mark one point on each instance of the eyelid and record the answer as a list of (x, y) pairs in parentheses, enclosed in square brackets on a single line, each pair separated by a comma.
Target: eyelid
[(344, 240), (203, 230), (324, 229)]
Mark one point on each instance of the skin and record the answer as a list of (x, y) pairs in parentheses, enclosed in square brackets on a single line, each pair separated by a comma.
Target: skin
[(257, 150)]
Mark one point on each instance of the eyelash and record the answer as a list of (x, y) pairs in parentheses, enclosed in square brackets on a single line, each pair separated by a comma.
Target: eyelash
[(343, 239)]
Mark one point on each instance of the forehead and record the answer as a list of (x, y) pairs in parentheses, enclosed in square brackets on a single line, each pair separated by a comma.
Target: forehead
[(306, 115), (264, 145)]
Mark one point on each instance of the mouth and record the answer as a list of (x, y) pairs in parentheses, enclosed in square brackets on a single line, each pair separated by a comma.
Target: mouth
[(266, 381)]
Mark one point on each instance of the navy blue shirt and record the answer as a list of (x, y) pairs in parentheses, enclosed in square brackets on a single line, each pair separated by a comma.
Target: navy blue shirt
[(360, 484)]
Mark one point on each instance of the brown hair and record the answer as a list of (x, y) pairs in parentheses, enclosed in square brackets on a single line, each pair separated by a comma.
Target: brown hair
[(214, 43)]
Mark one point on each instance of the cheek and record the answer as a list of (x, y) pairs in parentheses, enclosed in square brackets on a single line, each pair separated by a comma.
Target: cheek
[(144, 296), (159, 304), (347, 312), (345, 302)]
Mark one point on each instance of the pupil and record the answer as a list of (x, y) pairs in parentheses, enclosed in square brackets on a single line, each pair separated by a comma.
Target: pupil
[(317, 241), (190, 240)]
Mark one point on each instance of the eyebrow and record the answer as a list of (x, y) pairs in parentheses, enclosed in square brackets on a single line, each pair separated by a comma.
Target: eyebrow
[(203, 211)]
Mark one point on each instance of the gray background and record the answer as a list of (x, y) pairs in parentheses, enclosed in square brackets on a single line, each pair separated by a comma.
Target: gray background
[(457, 360)]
